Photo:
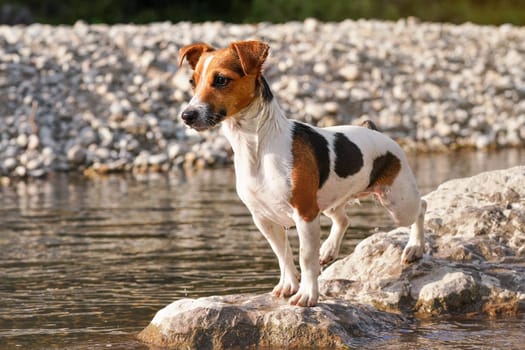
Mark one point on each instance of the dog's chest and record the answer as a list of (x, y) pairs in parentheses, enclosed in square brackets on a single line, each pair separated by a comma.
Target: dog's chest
[(265, 189)]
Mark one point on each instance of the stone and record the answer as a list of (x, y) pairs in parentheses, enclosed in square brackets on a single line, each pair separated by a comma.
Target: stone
[(34, 164), (20, 171), (253, 321), (76, 154), (9, 164), (472, 255), (156, 159), (349, 72), (22, 140), (106, 136), (33, 142), (175, 149)]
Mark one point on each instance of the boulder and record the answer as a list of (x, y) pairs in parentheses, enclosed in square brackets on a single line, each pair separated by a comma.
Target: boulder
[(474, 258), (253, 321), (474, 264)]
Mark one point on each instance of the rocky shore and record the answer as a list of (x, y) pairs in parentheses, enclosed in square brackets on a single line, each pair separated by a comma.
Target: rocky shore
[(474, 265), (107, 98)]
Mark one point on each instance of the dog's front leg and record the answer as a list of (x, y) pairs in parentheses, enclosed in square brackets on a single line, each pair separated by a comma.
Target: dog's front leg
[(309, 241), (276, 236)]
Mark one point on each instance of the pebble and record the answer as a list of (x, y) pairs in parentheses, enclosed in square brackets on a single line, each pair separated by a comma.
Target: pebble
[(76, 154), (123, 105)]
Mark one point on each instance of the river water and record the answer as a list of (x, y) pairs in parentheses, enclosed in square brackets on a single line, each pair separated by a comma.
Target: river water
[(85, 264)]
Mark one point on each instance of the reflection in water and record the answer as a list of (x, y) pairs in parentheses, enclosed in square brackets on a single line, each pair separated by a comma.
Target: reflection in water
[(86, 264)]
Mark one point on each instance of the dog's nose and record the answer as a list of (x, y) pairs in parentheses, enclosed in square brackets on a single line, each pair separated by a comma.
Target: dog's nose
[(189, 115)]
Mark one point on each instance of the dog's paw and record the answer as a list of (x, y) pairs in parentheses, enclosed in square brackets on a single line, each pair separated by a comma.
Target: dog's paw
[(329, 252), (304, 298), (285, 289), (411, 253)]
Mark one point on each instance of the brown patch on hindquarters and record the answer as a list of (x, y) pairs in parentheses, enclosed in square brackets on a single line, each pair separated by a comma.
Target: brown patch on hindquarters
[(305, 180), (384, 170)]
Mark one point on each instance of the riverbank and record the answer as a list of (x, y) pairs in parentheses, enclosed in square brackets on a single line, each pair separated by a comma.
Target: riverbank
[(96, 98)]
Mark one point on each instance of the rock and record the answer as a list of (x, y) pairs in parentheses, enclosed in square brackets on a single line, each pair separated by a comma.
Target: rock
[(246, 321), (20, 171), (33, 142), (76, 154), (157, 159), (22, 140), (87, 136), (474, 263), (349, 72), (106, 136), (9, 164), (34, 164), (175, 149)]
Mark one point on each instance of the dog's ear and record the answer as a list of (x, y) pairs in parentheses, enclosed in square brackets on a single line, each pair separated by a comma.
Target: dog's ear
[(192, 53), (252, 55)]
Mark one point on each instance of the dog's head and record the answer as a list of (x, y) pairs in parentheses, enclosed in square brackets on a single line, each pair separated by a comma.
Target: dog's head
[(224, 81)]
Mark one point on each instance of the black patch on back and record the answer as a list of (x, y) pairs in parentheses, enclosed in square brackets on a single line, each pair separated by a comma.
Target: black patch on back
[(381, 166), (348, 157), (265, 90), (319, 146)]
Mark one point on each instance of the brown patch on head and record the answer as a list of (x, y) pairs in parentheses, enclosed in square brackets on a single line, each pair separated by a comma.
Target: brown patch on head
[(305, 180), (384, 170)]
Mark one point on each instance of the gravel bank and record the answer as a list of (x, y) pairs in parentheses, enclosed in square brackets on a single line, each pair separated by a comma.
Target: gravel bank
[(107, 98)]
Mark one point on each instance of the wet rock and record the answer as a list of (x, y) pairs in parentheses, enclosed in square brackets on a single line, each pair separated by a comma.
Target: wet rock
[(253, 321)]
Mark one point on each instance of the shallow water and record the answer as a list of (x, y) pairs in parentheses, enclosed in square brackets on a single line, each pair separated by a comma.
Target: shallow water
[(85, 264)]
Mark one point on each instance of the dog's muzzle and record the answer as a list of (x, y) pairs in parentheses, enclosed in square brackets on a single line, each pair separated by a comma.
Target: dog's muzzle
[(201, 119)]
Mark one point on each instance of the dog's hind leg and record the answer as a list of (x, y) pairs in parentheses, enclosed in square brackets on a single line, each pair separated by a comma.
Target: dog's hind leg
[(415, 246), (404, 203), (276, 236), (330, 247)]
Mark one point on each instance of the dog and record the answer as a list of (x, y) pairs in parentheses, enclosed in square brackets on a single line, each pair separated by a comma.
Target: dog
[(288, 172)]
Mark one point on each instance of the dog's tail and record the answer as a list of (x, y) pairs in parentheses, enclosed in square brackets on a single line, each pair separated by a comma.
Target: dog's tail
[(369, 124)]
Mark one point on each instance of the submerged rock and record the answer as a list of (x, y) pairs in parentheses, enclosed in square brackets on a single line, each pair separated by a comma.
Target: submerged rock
[(474, 264)]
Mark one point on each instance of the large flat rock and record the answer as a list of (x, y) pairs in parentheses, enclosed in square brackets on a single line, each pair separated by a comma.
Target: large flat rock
[(474, 264), (249, 321)]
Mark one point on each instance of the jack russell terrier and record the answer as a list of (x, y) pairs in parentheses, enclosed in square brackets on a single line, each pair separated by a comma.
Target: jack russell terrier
[(288, 172)]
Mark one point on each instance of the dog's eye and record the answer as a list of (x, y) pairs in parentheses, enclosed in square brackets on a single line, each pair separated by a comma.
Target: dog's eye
[(192, 82), (220, 81)]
